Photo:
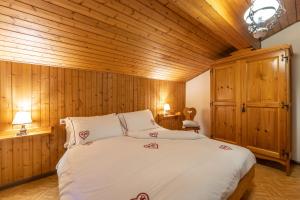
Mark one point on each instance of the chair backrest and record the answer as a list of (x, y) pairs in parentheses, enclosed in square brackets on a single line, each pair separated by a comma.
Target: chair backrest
[(189, 113)]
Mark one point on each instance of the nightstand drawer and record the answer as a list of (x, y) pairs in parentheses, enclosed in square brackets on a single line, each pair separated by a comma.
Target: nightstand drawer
[(173, 122)]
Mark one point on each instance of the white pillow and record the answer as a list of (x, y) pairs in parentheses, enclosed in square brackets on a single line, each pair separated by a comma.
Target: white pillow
[(138, 121), (69, 132), (88, 129), (190, 124)]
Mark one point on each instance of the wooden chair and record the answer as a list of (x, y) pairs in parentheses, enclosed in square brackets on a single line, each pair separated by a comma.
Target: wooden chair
[(189, 115)]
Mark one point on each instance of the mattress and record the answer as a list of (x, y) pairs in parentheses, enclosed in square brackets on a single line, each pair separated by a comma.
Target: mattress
[(121, 168)]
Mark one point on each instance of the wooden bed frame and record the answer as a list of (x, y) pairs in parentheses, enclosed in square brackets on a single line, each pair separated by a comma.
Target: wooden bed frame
[(244, 184)]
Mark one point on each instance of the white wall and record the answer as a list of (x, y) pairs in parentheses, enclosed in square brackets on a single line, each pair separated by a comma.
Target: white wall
[(198, 96), (291, 35)]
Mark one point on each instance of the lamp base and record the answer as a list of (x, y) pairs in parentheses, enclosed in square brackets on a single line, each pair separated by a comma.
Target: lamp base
[(23, 131)]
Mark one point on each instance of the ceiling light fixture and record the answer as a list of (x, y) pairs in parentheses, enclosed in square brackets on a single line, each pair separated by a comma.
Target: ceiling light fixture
[(262, 15)]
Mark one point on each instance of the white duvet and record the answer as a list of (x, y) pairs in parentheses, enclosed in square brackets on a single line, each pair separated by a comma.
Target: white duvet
[(153, 166)]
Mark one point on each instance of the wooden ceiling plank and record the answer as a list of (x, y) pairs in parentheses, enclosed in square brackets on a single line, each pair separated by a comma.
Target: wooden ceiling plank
[(7, 56), (66, 63), (166, 39), (283, 21), (144, 13), (84, 59), (185, 23), (30, 47), (290, 6), (298, 9), (73, 37), (61, 39), (64, 46), (86, 27), (49, 22), (136, 19), (290, 17), (233, 13), (113, 63), (206, 15), (133, 26)]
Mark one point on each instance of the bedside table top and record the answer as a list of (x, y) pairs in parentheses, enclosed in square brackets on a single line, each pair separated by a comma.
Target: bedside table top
[(31, 132), (168, 116)]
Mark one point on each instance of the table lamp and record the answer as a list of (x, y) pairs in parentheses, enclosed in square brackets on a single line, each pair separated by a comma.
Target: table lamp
[(22, 118), (166, 108)]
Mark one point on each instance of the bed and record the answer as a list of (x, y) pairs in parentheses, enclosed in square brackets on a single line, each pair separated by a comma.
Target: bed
[(155, 164)]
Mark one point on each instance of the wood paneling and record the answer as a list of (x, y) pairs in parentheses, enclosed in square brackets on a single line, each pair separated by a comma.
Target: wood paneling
[(225, 105), (262, 130), (226, 18), (161, 39), (135, 37), (290, 17), (265, 86), (225, 123), (53, 93), (213, 15), (225, 86)]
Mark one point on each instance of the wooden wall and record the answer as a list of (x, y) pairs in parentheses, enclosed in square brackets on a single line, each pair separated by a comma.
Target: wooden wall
[(53, 93)]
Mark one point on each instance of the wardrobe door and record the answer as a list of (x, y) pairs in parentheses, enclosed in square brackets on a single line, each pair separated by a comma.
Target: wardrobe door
[(224, 103), (264, 94)]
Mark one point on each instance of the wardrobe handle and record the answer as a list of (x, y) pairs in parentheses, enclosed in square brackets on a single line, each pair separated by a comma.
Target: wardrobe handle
[(243, 108)]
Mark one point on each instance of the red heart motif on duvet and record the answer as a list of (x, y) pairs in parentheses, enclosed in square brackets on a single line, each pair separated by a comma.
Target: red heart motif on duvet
[(142, 196), (153, 134), (84, 134), (151, 146)]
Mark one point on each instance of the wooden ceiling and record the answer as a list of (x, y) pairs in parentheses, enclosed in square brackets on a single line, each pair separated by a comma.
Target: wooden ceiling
[(291, 16), (162, 39)]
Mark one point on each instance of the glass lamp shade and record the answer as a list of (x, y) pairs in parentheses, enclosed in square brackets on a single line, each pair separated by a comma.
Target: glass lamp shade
[(247, 17), (261, 11), (261, 4), (22, 118), (262, 15), (167, 107)]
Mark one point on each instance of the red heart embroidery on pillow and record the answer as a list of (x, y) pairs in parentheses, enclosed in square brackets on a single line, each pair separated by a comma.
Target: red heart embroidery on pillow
[(142, 196), (153, 134), (84, 134), (151, 146)]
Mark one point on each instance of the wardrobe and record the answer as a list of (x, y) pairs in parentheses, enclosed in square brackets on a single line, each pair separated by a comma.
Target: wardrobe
[(251, 102)]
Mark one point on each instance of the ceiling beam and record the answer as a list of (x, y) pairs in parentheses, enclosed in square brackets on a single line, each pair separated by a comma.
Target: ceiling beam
[(211, 14)]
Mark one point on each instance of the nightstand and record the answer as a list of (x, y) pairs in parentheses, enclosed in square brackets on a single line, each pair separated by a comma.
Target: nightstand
[(170, 121), (27, 157)]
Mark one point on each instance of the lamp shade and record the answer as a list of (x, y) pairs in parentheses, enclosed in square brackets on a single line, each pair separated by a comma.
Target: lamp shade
[(22, 118), (262, 15), (166, 107)]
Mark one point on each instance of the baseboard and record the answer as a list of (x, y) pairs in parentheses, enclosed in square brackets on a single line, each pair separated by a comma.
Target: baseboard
[(296, 162), (13, 184)]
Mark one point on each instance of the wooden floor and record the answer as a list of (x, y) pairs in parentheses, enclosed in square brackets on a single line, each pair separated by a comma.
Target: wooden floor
[(269, 183)]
